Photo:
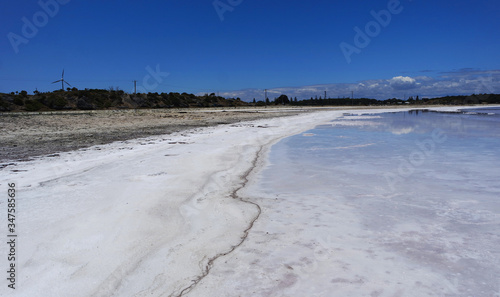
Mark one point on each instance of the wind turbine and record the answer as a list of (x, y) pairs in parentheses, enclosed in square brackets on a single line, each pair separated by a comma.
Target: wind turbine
[(62, 81)]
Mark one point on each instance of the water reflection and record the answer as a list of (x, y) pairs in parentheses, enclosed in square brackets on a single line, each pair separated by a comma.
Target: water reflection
[(466, 124), (418, 186)]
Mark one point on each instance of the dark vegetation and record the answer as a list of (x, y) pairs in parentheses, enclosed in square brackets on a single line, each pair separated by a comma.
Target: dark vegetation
[(92, 99), (448, 100)]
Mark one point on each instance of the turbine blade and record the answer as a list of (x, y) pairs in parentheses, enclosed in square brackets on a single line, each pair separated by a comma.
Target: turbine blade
[(63, 73), (67, 83), (56, 81)]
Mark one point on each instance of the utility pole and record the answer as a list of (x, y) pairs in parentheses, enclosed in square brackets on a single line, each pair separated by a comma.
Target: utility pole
[(325, 95), (135, 86), (266, 93), (352, 98)]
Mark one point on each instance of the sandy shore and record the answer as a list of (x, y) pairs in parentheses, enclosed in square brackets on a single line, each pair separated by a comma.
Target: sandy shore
[(26, 135)]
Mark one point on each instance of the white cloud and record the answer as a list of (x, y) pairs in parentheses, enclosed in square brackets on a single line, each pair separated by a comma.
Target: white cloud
[(403, 83), (463, 82)]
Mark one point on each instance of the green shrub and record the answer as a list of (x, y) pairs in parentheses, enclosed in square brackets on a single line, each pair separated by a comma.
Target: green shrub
[(33, 105), (59, 103), (18, 101)]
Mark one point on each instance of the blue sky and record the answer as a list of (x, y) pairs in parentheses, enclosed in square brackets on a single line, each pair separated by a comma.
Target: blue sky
[(241, 47)]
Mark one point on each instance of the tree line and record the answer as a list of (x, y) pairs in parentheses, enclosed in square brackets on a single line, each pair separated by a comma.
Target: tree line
[(93, 99)]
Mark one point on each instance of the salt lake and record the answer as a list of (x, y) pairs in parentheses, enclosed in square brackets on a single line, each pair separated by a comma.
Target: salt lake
[(376, 204)]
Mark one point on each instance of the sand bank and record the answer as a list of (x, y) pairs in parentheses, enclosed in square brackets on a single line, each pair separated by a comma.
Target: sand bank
[(26, 135)]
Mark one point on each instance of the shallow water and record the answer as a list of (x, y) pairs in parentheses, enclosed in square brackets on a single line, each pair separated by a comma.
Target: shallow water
[(400, 204)]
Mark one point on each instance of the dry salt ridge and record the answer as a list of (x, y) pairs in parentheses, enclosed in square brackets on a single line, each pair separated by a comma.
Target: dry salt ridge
[(180, 215)]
